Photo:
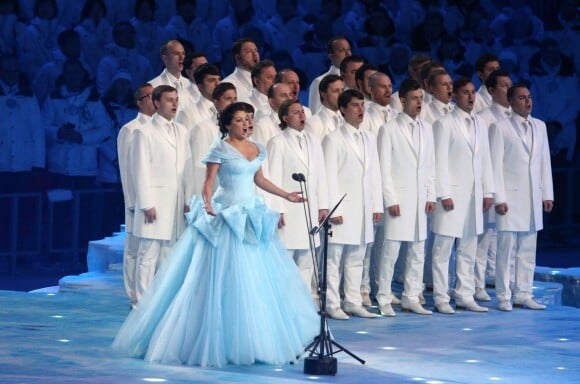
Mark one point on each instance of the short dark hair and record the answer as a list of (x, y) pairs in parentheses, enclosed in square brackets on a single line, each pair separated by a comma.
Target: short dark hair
[(190, 56), (418, 60), (484, 59), (237, 45), (360, 73), (407, 86), (325, 83), (427, 68), (347, 96), (512, 90), (137, 94), (460, 83), (491, 81), (330, 44), (258, 68), (434, 74), (283, 111), (222, 88), (350, 59), (160, 90), (280, 74), (204, 70)]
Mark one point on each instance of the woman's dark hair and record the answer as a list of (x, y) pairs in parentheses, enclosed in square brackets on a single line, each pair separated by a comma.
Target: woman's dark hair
[(283, 111), (226, 116)]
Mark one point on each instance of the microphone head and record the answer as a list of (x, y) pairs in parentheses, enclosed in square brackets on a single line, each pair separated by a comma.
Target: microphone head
[(298, 177)]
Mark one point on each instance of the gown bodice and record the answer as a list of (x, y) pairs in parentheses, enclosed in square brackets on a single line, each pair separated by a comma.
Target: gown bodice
[(235, 175)]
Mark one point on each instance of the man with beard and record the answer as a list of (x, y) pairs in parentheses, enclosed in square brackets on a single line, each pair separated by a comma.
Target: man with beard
[(246, 56)]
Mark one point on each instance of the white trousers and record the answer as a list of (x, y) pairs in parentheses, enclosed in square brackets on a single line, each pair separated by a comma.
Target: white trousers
[(150, 256), (372, 255), (303, 261), (522, 245), (413, 275), (485, 257), (350, 257), (465, 268), (130, 252)]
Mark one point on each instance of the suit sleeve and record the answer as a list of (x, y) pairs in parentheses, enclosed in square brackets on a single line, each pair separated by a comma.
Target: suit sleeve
[(139, 162), (331, 159), (497, 153), (547, 185), (385, 149), (431, 173), (488, 185), (276, 171), (376, 192), (441, 134)]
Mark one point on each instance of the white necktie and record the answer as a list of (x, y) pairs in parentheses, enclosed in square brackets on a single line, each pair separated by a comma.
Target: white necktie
[(178, 85), (445, 109), (299, 137), (336, 120), (470, 122), (359, 144), (528, 136), (415, 134)]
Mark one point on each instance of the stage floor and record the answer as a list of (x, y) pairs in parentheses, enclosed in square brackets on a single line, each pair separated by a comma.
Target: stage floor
[(65, 337)]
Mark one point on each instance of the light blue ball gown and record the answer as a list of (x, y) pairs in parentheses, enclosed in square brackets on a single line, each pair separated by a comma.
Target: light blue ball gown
[(228, 293)]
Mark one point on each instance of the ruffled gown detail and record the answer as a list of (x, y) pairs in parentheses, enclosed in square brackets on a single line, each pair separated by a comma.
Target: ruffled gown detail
[(228, 293)]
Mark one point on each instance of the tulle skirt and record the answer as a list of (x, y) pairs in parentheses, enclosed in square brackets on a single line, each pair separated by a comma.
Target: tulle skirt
[(227, 294)]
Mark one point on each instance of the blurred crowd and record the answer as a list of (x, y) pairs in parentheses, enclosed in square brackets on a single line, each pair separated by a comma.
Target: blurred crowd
[(68, 68)]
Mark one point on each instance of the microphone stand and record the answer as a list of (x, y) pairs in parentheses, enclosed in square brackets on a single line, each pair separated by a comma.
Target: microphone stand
[(321, 360), (306, 205)]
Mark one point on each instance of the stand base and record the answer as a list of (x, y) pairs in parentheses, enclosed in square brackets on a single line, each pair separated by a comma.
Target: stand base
[(321, 365)]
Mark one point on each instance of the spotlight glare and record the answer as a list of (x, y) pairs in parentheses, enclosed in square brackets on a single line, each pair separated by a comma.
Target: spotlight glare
[(435, 382), (471, 361), (495, 378), (418, 379), (388, 348), (57, 316), (467, 329), (64, 340), (563, 339), (555, 272), (154, 380), (51, 294), (362, 332), (561, 368), (313, 377)]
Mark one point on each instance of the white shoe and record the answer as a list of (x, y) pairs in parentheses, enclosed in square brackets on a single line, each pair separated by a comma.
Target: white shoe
[(358, 311), (504, 305), (481, 295), (387, 310), (416, 308), (366, 299), (422, 299), (444, 308), (337, 314), (529, 303), (470, 306), (395, 300)]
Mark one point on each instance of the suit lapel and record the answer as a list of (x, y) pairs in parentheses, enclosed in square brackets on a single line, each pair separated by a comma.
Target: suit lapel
[(293, 143), (520, 134), (403, 125)]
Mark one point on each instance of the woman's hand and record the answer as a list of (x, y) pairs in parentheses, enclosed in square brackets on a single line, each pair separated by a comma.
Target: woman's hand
[(208, 209), (295, 197)]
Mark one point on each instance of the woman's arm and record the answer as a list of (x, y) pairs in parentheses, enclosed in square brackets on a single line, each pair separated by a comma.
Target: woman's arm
[(268, 186), (210, 174)]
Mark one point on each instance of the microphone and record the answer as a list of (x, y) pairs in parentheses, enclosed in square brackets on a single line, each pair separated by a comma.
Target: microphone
[(298, 177)]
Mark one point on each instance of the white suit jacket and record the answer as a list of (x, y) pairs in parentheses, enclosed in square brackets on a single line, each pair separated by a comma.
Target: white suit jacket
[(202, 136), (182, 85), (202, 109), (482, 100), (313, 95), (376, 115), (430, 112), (523, 173), (463, 173), (124, 140), (161, 168), (266, 128), (357, 176), (408, 176), (242, 80), (323, 122), (285, 158), (487, 117)]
